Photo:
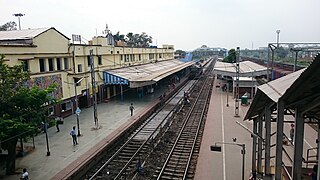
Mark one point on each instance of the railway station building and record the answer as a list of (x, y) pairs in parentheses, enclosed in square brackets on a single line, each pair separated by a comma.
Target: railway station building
[(51, 57)]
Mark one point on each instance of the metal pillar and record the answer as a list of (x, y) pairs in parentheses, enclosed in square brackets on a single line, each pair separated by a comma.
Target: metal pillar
[(227, 94), (279, 142), (236, 113), (267, 167), (298, 145), (318, 143), (93, 81), (259, 162), (254, 148)]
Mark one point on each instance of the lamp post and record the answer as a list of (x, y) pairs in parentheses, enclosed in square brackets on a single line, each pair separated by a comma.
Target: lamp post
[(47, 140), (18, 15), (217, 148), (278, 32), (77, 111), (227, 94)]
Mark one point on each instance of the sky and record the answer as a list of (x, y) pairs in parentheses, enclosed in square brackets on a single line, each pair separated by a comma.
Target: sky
[(186, 24)]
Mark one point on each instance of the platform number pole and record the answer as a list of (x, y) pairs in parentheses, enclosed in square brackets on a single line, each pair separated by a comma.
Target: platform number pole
[(93, 81), (236, 113)]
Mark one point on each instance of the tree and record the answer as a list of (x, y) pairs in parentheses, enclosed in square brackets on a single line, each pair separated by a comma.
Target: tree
[(119, 37), (138, 40), (9, 26), (282, 53), (22, 108), (231, 58)]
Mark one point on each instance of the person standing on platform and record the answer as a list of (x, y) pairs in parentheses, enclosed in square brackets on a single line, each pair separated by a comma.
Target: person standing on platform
[(292, 133), (131, 109), (74, 135)]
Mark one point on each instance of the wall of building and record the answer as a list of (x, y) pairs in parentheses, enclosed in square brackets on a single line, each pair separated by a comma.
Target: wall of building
[(50, 60)]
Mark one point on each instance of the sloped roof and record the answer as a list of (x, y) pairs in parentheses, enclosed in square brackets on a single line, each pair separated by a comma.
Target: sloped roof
[(246, 69), (270, 93), (299, 89), (150, 72), (25, 34)]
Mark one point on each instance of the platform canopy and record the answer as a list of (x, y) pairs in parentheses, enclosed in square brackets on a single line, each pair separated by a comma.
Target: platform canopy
[(246, 69), (143, 75), (270, 93)]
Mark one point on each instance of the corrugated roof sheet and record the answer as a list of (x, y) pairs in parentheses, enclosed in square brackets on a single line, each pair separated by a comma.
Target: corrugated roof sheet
[(271, 92), (276, 88), (247, 68), (21, 34), (150, 72)]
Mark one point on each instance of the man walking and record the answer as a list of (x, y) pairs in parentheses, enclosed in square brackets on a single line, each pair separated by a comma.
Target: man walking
[(131, 109), (74, 136)]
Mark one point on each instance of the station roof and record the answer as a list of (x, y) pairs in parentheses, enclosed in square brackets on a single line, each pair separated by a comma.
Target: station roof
[(146, 74), (298, 89), (24, 34), (247, 69)]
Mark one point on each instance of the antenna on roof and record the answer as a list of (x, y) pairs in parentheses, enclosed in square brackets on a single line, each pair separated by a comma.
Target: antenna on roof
[(18, 15)]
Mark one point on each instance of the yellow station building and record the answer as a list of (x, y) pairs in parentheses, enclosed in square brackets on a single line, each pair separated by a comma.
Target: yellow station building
[(51, 57)]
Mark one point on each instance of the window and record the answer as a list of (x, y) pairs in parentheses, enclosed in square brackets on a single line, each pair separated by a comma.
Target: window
[(99, 60), (79, 67), (131, 57), (25, 65), (88, 60), (111, 52), (58, 64), (66, 106), (42, 65), (66, 63), (50, 61), (117, 52), (121, 57), (139, 57)]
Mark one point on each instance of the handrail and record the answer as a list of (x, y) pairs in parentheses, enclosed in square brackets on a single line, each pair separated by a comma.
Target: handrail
[(308, 156)]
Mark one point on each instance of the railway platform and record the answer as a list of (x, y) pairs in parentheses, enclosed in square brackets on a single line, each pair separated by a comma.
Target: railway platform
[(222, 129), (113, 117)]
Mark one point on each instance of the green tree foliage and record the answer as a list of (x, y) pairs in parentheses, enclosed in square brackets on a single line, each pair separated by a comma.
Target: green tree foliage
[(9, 26), (282, 53), (181, 53), (21, 108), (119, 37), (138, 40), (231, 58)]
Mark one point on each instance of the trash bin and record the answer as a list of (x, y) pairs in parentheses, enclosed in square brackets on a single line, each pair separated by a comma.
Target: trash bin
[(244, 100)]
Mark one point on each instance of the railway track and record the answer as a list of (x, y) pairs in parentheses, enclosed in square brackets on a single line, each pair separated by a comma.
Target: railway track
[(123, 162), (178, 164)]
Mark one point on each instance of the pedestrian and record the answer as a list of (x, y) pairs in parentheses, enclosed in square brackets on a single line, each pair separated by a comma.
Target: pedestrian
[(74, 136), (58, 119), (25, 174), (292, 133), (131, 109)]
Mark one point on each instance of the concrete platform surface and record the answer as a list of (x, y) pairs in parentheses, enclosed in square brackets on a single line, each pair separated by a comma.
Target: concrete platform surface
[(111, 115)]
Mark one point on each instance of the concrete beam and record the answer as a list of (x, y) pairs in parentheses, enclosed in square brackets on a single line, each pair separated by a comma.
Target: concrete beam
[(298, 145), (279, 142)]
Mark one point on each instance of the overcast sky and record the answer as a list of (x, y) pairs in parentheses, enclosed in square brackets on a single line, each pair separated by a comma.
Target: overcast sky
[(187, 24)]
